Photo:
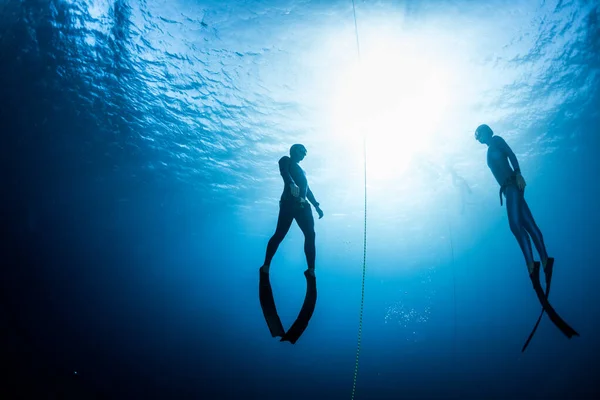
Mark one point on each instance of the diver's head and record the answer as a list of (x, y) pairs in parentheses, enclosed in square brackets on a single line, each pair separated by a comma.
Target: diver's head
[(483, 134), (297, 152)]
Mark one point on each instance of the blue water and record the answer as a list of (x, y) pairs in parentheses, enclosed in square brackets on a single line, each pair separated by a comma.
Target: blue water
[(140, 187)]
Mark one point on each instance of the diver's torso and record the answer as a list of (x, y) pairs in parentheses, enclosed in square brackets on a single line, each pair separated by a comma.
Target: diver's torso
[(299, 177), (497, 160)]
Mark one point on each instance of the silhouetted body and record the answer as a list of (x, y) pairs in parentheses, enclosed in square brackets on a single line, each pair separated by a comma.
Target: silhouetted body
[(463, 187), (523, 226), (520, 219), (293, 205)]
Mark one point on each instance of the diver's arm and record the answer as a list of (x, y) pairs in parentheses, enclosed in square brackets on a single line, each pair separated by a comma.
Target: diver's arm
[(311, 197), (511, 156), (284, 169)]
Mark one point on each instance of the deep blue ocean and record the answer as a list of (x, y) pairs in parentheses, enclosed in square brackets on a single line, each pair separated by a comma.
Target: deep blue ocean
[(140, 186)]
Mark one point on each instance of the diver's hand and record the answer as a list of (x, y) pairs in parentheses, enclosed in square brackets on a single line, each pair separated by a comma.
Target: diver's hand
[(521, 182), (319, 211), (295, 190)]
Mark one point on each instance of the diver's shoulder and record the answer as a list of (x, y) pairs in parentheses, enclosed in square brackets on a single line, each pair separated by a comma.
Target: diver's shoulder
[(284, 159), (498, 139)]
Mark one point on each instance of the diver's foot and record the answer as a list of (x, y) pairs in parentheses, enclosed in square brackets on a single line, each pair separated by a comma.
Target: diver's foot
[(265, 269), (548, 262), (310, 272), (531, 268), (544, 262)]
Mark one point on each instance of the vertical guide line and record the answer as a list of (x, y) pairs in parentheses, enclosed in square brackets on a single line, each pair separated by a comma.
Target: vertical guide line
[(364, 267), (356, 30)]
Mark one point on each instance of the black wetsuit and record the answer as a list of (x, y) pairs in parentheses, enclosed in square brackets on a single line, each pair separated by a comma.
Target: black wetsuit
[(523, 226), (520, 218), (291, 208)]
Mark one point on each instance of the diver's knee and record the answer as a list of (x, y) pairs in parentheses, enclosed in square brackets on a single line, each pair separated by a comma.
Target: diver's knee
[(277, 237), (311, 236), (515, 228)]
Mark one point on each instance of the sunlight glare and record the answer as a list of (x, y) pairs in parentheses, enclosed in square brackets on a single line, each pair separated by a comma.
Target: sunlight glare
[(394, 98)]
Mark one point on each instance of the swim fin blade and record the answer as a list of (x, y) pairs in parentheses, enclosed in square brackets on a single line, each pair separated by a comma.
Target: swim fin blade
[(552, 314), (267, 303), (306, 312), (548, 275)]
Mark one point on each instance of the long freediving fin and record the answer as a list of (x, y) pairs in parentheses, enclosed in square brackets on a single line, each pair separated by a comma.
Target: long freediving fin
[(306, 312), (267, 303), (548, 273), (552, 314)]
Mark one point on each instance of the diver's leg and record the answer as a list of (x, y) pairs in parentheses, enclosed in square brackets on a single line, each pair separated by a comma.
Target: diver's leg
[(306, 222), (515, 220), (284, 222), (538, 240), (265, 292), (534, 231)]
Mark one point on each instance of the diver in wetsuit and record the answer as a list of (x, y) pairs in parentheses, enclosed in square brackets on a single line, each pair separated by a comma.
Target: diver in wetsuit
[(523, 226), (512, 186), (461, 184), (292, 205)]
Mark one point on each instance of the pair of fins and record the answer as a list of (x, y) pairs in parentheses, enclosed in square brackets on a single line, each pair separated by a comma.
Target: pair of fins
[(546, 307), (267, 302)]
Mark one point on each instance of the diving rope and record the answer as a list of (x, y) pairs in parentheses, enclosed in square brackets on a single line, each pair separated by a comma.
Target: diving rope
[(453, 267), (364, 266)]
